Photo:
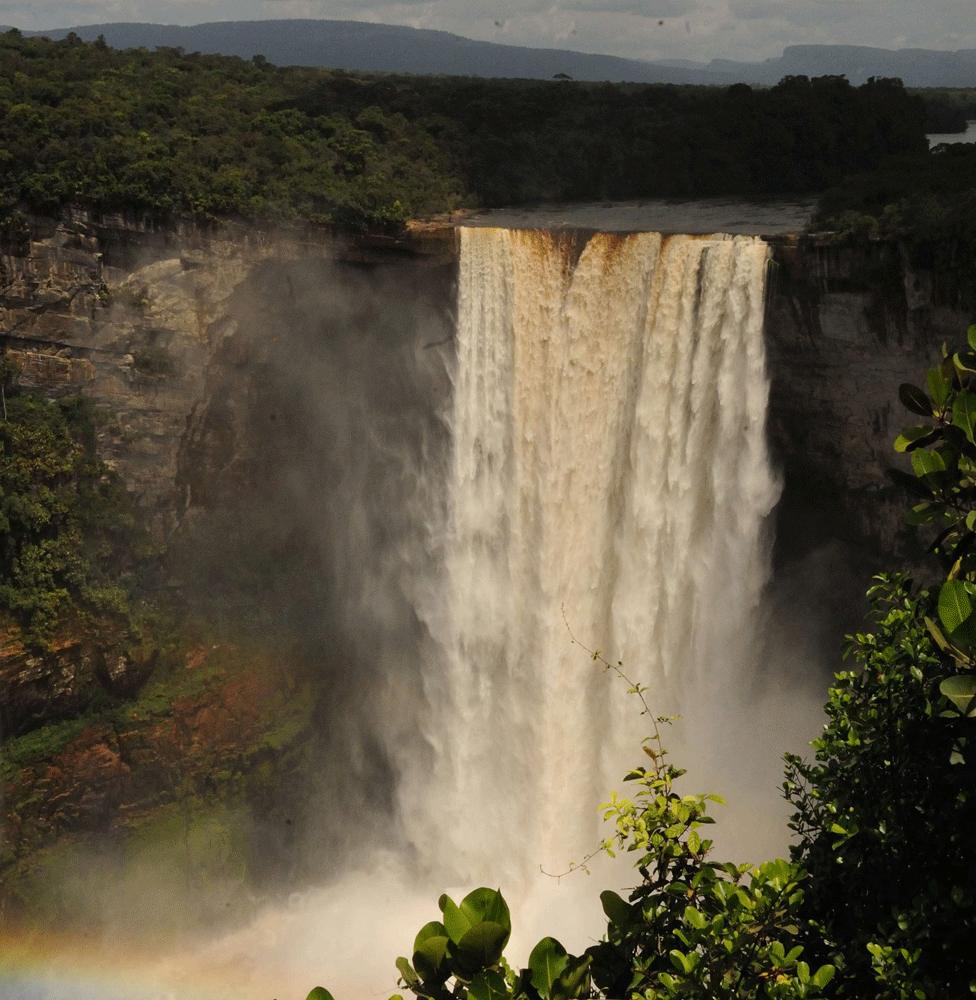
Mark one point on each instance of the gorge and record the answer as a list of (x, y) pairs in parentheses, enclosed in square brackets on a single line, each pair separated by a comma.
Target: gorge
[(568, 423)]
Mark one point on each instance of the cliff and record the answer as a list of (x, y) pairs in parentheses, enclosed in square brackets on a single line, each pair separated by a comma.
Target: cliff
[(254, 386), (846, 324), (224, 367)]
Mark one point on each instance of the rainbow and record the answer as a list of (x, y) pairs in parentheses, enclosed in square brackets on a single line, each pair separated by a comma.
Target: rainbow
[(42, 966)]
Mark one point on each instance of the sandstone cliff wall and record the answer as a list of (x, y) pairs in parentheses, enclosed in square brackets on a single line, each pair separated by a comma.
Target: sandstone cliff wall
[(846, 324), (233, 370)]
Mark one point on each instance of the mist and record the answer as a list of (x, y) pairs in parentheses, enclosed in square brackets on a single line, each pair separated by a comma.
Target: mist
[(321, 481)]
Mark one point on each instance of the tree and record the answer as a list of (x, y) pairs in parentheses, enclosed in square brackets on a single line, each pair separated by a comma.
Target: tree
[(885, 812)]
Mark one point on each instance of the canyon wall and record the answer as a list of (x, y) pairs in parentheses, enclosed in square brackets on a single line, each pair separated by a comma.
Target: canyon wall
[(845, 325), (149, 323), (231, 370)]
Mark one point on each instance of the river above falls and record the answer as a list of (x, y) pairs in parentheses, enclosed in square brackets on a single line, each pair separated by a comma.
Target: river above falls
[(702, 216)]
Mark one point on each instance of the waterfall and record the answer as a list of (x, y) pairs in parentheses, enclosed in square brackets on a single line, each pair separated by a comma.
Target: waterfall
[(609, 472)]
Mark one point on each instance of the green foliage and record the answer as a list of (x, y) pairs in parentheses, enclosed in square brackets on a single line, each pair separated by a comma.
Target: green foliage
[(696, 927), (926, 202), (693, 928), (884, 814), (948, 109), (67, 527), (170, 133), (943, 458)]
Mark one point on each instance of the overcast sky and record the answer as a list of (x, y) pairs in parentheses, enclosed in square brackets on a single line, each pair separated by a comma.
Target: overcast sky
[(647, 29)]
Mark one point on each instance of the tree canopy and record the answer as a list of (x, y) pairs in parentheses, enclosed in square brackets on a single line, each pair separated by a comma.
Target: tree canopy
[(171, 133)]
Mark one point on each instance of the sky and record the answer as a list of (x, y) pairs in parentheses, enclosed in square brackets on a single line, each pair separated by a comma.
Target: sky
[(642, 29)]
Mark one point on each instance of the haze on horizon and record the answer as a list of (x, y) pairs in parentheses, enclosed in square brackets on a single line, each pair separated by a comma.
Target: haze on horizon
[(697, 30)]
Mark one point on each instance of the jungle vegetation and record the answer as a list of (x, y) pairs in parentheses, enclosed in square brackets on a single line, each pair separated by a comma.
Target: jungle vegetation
[(948, 109), (926, 202), (70, 545), (168, 133)]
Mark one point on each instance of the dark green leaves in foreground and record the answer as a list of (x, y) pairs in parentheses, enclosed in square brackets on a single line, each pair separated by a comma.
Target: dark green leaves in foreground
[(693, 928), (942, 452)]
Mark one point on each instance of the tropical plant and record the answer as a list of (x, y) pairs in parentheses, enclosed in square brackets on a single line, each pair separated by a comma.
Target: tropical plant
[(943, 457), (69, 543), (692, 928), (883, 814)]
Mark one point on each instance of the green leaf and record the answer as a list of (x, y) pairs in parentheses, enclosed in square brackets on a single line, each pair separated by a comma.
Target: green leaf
[(927, 463), (434, 929), (964, 414), (939, 386), (685, 964), (668, 982), (961, 691), (823, 976), (546, 963), (455, 922), (914, 399), (936, 633), (971, 336), (908, 482), (619, 912), (916, 437), (486, 904), (955, 606), (482, 946), (320, 993), (430, 959), (488, 985), (922, 513), (406, 972), (574, 980)]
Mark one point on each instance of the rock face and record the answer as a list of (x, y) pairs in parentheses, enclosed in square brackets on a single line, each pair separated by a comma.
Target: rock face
[(176, 335), (239, 372), (845, 326), (224, 366), (61, 682), (209, 730)]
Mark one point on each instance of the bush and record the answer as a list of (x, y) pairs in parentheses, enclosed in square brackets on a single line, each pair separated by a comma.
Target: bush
[(884, 816), (693, 927), (885, 813), (67, 526)]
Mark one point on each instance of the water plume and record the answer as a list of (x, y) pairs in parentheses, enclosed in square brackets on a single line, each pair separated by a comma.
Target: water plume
[(609, 470)]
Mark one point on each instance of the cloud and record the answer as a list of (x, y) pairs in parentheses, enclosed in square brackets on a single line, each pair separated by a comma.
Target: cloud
[(640, 8), (691, 29)]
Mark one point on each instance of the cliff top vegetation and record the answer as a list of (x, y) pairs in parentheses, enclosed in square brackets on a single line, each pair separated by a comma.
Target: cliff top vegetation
[(169, 133)]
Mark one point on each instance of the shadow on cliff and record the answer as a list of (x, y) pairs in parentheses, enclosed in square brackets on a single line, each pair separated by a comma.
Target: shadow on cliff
[(313, 508)]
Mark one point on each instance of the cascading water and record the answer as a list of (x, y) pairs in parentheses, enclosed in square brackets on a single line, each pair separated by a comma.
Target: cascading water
[(608, 472), (609, 468)]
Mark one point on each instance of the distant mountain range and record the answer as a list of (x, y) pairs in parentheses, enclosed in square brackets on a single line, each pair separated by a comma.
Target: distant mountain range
[(358, 45), (917, 67)]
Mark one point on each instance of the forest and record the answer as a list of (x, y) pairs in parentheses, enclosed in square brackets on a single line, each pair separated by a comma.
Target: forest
[(168, 133)]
